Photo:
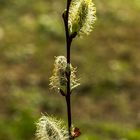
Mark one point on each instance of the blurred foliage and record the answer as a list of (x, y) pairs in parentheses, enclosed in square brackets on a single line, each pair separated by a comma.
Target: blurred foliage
[(107, 104)]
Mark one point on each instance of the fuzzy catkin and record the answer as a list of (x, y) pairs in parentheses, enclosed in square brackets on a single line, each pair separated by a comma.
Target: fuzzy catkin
[(50, 128), (82, 16), (58, 80)]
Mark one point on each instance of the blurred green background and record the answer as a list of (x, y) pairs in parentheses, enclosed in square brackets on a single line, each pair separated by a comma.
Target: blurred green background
[(107, 104)]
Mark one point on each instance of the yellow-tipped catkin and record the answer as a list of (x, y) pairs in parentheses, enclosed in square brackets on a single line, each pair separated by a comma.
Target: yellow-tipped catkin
[(82, 16), (58, 80)]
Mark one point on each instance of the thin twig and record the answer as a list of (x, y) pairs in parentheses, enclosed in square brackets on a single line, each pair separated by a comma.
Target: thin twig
[(68, 47)]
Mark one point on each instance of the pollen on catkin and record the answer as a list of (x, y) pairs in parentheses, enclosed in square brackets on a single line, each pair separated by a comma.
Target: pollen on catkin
[(82, 16), (58, 80)]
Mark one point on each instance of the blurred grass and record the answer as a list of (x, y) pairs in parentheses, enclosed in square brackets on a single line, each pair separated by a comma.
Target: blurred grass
[(106, 105)]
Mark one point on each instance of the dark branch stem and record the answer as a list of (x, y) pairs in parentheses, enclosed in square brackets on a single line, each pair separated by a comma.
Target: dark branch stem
[(68, 96), (68, 47)]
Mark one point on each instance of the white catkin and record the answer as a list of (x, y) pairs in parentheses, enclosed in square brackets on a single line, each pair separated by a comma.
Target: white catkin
[(50, 128), (82, 16), (59, 80)]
